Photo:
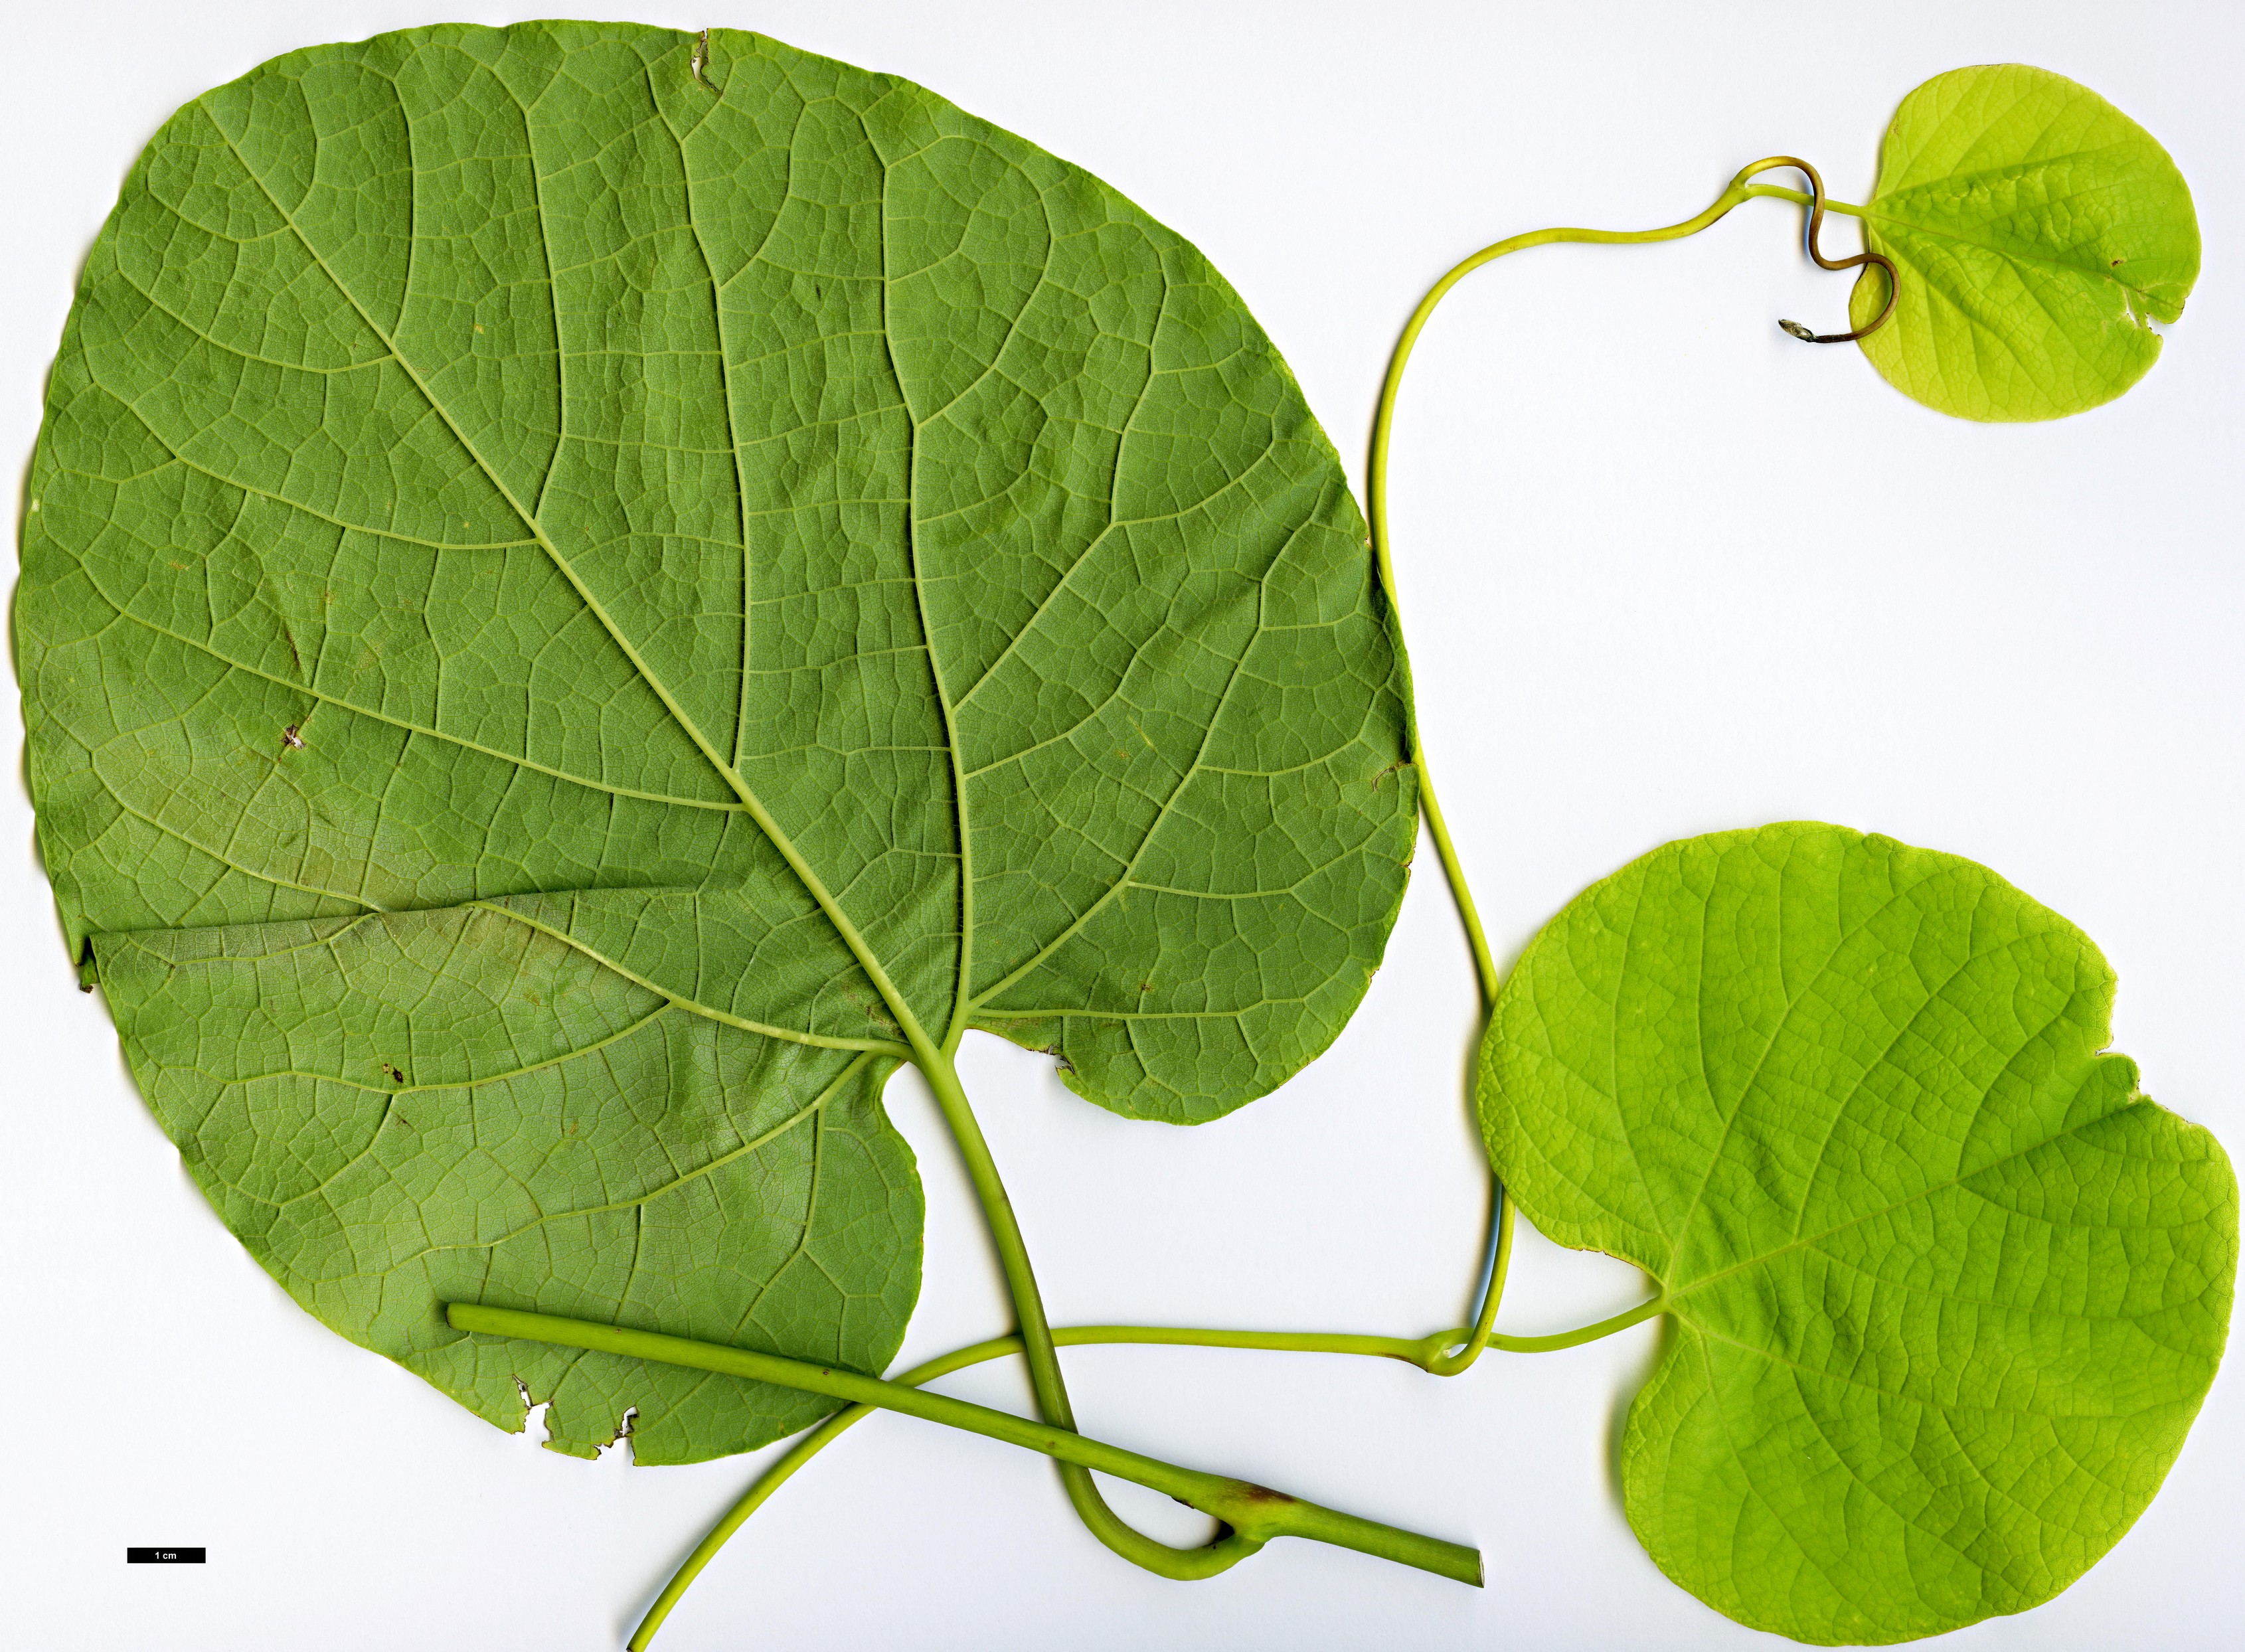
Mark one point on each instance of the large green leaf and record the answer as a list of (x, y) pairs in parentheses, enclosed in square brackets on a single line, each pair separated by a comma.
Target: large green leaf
[(1945, 1288), (574, 613), (2038, 232)]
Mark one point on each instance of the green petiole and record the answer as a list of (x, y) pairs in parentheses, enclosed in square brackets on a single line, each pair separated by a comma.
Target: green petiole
[(1428, 1353), (1036, 1339), (1802, 198), (1738, 190), (1255, 1514)]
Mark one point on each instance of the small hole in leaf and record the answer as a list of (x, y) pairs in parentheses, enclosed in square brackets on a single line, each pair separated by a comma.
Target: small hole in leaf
[(535, 1430)]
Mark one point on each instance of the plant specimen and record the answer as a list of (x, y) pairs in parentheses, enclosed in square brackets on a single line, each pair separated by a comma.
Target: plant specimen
[(591, 592), (1936, 1267)]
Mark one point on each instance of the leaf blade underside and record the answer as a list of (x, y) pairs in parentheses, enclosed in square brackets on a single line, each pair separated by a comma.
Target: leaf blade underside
[(2039, 232), (1945, 1289), (617, 551)]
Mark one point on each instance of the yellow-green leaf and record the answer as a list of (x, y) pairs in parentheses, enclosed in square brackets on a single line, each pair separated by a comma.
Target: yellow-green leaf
[(2039, 232), (1945, 1288)]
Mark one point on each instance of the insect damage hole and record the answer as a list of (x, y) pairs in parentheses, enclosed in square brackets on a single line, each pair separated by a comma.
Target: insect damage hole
[(617, 1448), (537, 1427), (615, 1452), (534, 1431)]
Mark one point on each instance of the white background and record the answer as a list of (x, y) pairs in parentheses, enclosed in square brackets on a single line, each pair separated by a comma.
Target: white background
[(1665, 571)]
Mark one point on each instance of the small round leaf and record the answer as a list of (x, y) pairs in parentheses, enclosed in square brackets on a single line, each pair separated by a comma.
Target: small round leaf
[(2038, 232)]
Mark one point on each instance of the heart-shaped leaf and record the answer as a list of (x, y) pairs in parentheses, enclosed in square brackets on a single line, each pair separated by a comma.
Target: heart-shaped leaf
[(582, 605), (2037, 231), (1945, 1289)]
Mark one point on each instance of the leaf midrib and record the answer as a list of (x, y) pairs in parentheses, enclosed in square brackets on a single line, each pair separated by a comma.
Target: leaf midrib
[(922, 1047), (1858, 1384), (2135, 1098), (1874, 212)]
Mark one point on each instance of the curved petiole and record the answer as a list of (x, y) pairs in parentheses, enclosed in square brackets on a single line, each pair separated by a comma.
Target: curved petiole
[(1163, 1560), (1426, 1352), (1815, 222), (1255, 1514), (1737, 191)]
